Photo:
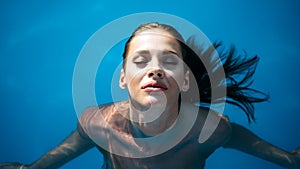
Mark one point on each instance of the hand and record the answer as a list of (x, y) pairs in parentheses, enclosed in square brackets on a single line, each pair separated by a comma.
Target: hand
[(296, 158), (13, 165)]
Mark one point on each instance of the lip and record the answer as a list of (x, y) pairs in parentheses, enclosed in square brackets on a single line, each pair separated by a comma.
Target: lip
[(154, 87)]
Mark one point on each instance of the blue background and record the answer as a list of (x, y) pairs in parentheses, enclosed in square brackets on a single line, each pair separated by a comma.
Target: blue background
[(40, 42)]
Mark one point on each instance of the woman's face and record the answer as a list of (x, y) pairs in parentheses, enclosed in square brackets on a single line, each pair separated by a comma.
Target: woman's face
[(154, 71)]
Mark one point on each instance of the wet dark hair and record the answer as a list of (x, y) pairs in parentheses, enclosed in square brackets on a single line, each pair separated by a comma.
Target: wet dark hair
[(238, 68)]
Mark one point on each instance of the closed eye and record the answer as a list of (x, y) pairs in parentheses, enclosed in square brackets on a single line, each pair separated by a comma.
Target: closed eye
[(140, 62), (170, 62), (170, 59)]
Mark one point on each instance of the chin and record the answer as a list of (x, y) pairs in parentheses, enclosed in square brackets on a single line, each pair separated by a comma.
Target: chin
[(156, 99), (149, 103), (153, 102)]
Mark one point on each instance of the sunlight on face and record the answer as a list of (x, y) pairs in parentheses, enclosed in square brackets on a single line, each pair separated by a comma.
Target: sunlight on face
[(154, 69)]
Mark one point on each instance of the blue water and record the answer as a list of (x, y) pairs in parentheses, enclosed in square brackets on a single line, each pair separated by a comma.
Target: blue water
[(40, 42)]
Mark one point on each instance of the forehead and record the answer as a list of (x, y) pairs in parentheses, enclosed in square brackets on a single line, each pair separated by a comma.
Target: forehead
[(154, 40)]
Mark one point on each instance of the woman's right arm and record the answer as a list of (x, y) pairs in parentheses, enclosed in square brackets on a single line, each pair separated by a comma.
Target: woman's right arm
[(70, 148)]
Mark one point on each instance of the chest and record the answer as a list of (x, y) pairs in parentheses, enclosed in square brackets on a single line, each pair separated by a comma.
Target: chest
[(188, 154)]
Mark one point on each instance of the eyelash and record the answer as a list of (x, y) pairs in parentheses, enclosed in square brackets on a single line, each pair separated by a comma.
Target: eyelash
[(140, 62), (166, 62), (144, 63), (170, 62)]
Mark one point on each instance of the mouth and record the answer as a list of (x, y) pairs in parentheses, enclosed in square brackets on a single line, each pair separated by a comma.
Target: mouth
[(154, 86)]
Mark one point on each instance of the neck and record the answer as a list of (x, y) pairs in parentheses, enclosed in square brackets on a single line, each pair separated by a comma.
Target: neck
[(155, 119)]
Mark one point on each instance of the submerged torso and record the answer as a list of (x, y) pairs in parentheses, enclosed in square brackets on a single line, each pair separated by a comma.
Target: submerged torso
[(123, 145)]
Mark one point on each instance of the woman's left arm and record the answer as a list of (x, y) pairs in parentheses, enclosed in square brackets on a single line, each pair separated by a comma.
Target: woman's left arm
[(244, 140)]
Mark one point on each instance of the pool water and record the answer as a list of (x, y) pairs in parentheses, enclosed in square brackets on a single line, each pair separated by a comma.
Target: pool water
[(41, 40)]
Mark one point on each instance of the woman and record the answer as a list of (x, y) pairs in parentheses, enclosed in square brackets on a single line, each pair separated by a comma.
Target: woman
[(156, 127)]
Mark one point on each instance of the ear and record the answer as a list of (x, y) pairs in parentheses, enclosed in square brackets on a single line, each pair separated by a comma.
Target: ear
[(186, 82), (122, 81)]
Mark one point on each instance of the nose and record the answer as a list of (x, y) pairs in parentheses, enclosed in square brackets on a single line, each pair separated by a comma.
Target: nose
[(156, 74)]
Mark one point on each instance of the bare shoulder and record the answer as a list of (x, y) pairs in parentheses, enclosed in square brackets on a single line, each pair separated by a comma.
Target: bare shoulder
[(87, 115), (97, 120), (107, 112)]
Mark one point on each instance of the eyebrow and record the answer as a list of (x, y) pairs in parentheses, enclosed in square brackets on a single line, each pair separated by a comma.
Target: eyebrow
[(147, 52), (143, 52), (169, 51)]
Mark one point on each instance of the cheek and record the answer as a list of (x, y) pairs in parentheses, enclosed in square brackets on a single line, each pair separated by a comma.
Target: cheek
[(179, 81), (133, 78), (176, 76)]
